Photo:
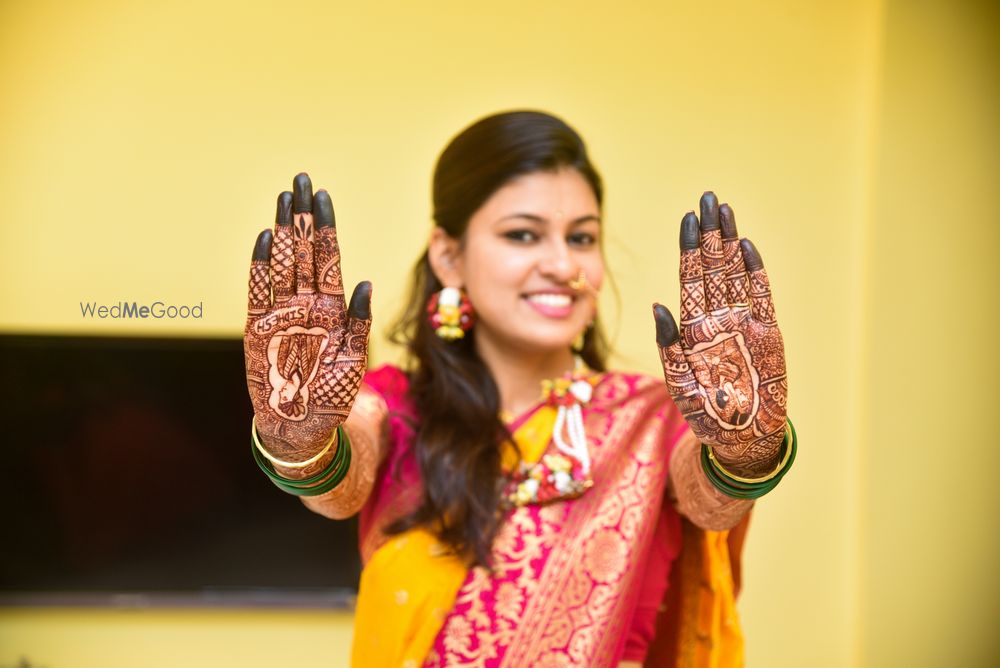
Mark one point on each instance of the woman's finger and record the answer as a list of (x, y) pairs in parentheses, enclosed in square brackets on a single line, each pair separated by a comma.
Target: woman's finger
[(259, 290), (302, 234), (676, 370), (328, 277), (713, 264), (692, 286), (337, 390), (361, 303), (760, 288), (282, 255), (737, 284)]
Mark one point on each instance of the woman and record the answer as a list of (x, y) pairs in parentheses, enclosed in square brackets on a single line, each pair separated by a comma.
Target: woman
[(517, 506)]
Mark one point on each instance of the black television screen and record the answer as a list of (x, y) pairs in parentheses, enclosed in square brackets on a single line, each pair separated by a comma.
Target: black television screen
[(127, 477)]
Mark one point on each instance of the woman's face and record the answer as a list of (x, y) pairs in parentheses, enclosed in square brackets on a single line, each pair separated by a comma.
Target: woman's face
[(522, 249)]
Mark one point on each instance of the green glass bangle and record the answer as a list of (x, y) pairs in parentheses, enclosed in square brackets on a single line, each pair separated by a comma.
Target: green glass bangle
[(332, 481), (322, 482), (268, 468), (744, 490), (335, 478), (726, 486), (307, 486)]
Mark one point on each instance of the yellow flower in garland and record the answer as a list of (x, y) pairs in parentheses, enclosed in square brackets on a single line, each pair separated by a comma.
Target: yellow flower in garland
[(558, 463)]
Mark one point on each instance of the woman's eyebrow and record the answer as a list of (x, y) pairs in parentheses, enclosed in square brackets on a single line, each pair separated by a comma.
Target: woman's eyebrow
[(539, 220)]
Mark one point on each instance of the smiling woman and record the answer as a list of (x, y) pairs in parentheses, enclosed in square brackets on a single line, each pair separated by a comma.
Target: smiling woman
[(519, 503)]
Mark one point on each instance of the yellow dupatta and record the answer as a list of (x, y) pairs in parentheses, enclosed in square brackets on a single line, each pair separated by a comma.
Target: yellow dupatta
[(698, 626)]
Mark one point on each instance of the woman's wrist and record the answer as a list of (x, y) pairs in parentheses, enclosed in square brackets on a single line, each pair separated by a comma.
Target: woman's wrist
[(744, 467), (754, 459), (313, 468), (308, 459)]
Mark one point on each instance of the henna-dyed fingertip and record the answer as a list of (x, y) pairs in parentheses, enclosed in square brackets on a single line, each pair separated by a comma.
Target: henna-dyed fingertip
[(323, 215), (690, 234), (284, 212), (360, 307), (302, 190), (751, 258), (262, 247), (666, 328), (709, 211), (727, 221)]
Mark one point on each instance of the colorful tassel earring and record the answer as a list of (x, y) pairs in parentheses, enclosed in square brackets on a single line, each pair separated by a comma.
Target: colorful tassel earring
[(450, 313)]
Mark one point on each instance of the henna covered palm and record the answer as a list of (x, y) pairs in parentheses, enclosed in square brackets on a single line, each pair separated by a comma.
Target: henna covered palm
[(305, 351), (725, 366)]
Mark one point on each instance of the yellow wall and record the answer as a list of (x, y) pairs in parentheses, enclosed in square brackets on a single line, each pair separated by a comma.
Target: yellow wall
[(134, 638), (143, 147), (931, 533)]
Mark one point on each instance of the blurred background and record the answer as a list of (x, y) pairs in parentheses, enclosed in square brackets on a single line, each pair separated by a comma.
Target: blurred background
[(144, 145)]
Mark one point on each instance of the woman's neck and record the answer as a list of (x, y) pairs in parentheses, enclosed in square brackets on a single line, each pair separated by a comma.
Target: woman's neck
[(518, 374)]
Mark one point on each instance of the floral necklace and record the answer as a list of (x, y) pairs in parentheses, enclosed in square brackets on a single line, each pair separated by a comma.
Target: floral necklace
[(564, 474)]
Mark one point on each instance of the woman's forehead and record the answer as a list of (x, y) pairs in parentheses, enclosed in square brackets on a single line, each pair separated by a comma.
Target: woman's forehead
[(548, 196)]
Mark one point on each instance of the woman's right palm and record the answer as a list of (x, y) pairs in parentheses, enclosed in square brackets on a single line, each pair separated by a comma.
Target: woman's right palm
[(305, 352)]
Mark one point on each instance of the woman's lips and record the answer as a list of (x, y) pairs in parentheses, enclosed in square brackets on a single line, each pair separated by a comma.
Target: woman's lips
[(551, 305)]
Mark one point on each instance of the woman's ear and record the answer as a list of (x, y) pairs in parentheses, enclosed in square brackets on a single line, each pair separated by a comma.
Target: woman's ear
[(444, 254)]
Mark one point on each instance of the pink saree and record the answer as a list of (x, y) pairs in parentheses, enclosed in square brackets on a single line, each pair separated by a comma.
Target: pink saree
[(574, 583)]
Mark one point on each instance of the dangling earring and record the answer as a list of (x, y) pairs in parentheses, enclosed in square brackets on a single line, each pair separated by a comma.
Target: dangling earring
[(578, 342), (450, 313)]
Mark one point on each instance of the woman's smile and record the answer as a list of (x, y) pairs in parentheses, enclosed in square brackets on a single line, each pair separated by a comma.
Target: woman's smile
[(551, 304)]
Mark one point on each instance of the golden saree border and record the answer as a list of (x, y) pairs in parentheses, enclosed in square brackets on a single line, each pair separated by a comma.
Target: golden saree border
[(582, 607)]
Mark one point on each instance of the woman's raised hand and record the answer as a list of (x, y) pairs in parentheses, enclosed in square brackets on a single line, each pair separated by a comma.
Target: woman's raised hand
[(725, 367), (305, 352)]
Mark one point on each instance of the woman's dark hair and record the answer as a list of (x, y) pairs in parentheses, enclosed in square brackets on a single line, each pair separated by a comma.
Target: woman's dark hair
[(456, 398)]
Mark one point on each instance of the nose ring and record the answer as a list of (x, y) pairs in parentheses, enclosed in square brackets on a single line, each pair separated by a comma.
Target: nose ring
[(580, 282)]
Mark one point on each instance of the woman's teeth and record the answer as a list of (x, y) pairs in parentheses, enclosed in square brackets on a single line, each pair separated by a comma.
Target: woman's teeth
[(551, 300)]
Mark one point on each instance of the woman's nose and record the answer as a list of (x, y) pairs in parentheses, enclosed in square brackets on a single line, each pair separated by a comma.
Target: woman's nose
[(559, 264)]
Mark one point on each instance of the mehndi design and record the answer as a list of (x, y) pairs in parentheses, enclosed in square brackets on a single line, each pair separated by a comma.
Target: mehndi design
[(725, 367), (305, 353)]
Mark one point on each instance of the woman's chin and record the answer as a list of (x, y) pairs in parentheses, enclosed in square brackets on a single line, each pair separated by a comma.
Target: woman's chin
[(535, 336), (544, 345)]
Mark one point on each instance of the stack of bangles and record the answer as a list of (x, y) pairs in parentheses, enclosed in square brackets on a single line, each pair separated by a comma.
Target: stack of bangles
[(322, 482), (738, 487)]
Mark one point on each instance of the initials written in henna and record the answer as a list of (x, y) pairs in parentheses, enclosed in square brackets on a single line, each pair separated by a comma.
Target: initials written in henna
[(724, 363), (279, 317)]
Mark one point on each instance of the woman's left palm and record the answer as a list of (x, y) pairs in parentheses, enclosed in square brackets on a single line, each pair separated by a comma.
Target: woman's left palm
[(725, 367)]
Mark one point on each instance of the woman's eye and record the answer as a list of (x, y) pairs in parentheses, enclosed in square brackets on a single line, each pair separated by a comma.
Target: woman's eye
[(582, 239), (524, 236)]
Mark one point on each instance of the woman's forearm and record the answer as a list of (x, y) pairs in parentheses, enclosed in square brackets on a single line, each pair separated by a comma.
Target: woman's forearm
[(697, 498), (364, 427)]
